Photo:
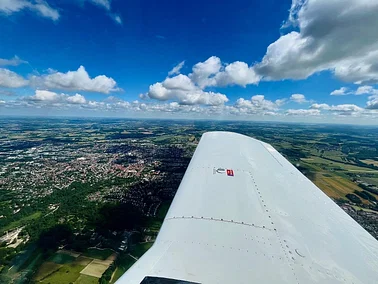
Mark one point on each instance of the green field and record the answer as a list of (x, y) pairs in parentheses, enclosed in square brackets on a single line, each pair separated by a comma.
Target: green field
[(86, 279), (336, 166), (172, 139), (62, 258), (67, 273), (21, 222), (332, 177), (124, 263), (27, 261), (364, 209), (163, 210), (370, 179), (46, 269), (98, 253), (64, 268), (335, 186), (370, 162), (333, 183), (140, 249), (154, 223)]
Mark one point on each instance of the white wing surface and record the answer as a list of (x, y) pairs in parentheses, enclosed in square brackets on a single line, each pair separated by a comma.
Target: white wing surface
[(244, 214)]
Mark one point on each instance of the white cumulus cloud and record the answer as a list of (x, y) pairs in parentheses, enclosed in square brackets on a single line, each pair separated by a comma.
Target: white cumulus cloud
[(298, 98), (361, 90), (366, 90), (340, 92), (213, 73), (303, 112), (203, 72), (117, 19), (76, 99), (236, 73), (176, 70), (372, 102), (41, 7), (344, 109), (103, 3), (106, 4), (180, 82), (48, 97), (181, 89), (320, 106), (10, 79), (257, 104), (78, 80), (15, 61), (43, 95), (335, 35), (345, 44)]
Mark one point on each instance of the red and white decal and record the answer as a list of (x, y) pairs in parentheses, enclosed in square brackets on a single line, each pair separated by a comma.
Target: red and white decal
[(222, 171)]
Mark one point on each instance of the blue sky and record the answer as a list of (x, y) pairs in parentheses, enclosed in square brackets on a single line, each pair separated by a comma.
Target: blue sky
[(258, 60)]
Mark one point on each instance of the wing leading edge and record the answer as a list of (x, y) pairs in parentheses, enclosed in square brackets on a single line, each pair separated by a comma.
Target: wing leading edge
[(244, 214)]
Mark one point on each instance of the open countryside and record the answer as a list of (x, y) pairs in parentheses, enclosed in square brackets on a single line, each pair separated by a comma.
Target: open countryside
[(83, 200)]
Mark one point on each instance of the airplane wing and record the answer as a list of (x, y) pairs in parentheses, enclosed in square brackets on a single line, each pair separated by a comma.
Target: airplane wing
[(244, 214)]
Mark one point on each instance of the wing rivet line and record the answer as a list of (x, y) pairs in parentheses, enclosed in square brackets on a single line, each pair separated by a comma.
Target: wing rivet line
[(286, 255), (221, 220)]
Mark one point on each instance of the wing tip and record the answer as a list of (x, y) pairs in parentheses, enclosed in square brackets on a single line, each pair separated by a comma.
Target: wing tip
[(230, 134)]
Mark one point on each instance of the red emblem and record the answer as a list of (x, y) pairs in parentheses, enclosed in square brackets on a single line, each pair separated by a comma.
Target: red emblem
[(230, 173)]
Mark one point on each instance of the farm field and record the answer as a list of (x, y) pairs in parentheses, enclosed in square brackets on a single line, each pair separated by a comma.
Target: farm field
[(370, 162), (72, 267)]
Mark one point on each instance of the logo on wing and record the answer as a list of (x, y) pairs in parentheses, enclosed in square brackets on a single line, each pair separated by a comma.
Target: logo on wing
[(223, 171)]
